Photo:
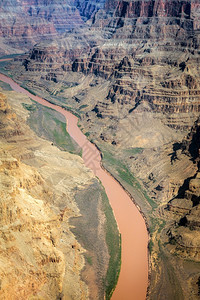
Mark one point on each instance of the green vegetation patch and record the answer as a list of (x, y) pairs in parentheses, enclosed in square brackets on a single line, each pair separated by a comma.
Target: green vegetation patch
[(87, 134), (83, 106), (98, 241), (3, 68), (11, 55), (29, 107), (150, 246), (5, 86), (113, 240), (124, 174), (89, 259), (51, 125), (133, 151), (29, 90), (156, 224)]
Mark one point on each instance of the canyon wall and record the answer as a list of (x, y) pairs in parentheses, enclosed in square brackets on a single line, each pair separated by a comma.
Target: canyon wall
[(149, 50), (25, 23), (40, 256), (185, 235), (144, 57), (88, 8), (132, 74)]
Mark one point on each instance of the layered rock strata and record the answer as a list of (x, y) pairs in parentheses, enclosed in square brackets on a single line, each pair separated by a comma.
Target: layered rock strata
[(133, 76), (25, 23), (147, 50), (185, 234), (88, 8)]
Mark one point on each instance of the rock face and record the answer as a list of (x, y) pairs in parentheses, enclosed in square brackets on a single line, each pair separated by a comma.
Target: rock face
[(132, 72), (89, 8), (186, 233), (151, 71), (24, 23), (191, 144), (40, 256), (23, 218), (154, 66)]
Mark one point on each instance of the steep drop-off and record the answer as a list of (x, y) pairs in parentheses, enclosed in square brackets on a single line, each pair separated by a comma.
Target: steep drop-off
[(25, 23), (40, 187), (88, 8), (149, 50), (186, 232), (132, 75)]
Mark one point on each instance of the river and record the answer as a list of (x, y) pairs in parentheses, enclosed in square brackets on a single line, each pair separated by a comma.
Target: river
[(133, 278)]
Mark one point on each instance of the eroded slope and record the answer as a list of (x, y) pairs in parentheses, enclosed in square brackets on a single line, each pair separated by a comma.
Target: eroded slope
[(40, 255)]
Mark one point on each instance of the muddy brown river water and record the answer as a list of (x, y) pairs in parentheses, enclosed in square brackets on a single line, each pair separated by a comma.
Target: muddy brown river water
[(133, 278)]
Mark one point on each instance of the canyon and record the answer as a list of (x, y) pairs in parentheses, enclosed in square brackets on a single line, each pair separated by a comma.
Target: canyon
[(41, 189), (130, 222), (25, 23), (130, 71)]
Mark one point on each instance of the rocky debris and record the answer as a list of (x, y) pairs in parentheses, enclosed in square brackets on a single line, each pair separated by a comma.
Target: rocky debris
[(180, 206), (186, 242), (23, 218)]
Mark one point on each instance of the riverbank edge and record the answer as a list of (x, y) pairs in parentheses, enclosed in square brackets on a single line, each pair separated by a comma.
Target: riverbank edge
[(113, 286), (140, 211), (108, 172)]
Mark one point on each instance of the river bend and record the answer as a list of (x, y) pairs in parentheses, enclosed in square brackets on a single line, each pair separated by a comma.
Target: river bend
[(133, 278)]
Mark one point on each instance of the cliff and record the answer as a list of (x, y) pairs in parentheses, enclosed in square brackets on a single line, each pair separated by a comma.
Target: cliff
[(191, 144), (154, 66), (185, 233), (25, 23), (40, 256), (88, 8), (132, 74)]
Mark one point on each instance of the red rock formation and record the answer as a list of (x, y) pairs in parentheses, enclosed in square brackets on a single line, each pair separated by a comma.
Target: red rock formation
[(146, 33), (24, 23), (148, 52)]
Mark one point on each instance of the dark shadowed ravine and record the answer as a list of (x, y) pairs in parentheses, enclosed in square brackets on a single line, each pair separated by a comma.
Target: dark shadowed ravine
[(133, 278)]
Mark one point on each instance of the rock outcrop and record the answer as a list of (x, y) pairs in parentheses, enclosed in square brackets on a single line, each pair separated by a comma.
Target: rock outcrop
[(186, 206), (184, 236), (191, 144), (25, 23), (88, 8), (132, 73), (147, 50), (40, 256)]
